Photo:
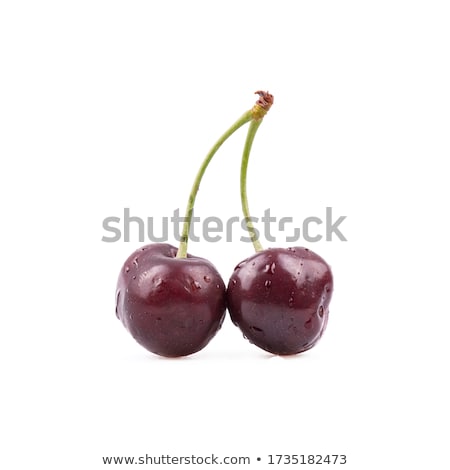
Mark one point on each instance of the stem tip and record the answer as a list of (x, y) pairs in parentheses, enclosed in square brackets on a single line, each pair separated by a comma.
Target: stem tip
[(263, 104)]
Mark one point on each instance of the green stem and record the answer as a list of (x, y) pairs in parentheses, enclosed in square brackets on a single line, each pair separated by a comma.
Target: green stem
[(182, 250), (254, 125)]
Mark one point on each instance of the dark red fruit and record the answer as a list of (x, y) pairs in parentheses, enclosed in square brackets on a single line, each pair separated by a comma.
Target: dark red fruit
[(171, 306), (279, 299)]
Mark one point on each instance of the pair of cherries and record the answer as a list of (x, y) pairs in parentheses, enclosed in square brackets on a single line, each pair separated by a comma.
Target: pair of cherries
[(174, 303)]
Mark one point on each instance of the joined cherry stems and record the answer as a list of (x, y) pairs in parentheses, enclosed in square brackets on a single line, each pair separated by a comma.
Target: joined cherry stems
[(255, 116)]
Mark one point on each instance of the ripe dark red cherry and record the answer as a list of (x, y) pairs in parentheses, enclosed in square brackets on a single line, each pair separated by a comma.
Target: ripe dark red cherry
[(171, 306), (279, 299)]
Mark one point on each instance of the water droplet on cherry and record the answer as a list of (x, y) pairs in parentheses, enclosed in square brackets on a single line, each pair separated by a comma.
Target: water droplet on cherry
[(255, 328), (270, 268), (206, 278), (117, 303), (158, 283), (267, 284)]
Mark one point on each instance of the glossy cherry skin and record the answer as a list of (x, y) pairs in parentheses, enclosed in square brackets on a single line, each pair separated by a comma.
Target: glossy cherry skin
[(279, 298), (171, 306)]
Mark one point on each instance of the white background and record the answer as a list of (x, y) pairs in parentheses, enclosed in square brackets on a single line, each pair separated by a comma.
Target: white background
[(113, 104)]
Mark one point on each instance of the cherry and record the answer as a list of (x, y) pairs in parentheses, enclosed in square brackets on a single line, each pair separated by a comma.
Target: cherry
[(171, 306), (173, 303), (279, 298)]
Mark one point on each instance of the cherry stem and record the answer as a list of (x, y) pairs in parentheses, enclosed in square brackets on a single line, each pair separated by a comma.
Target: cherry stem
[(255, 115), (254, 125), (259, 111), (182, 250)]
